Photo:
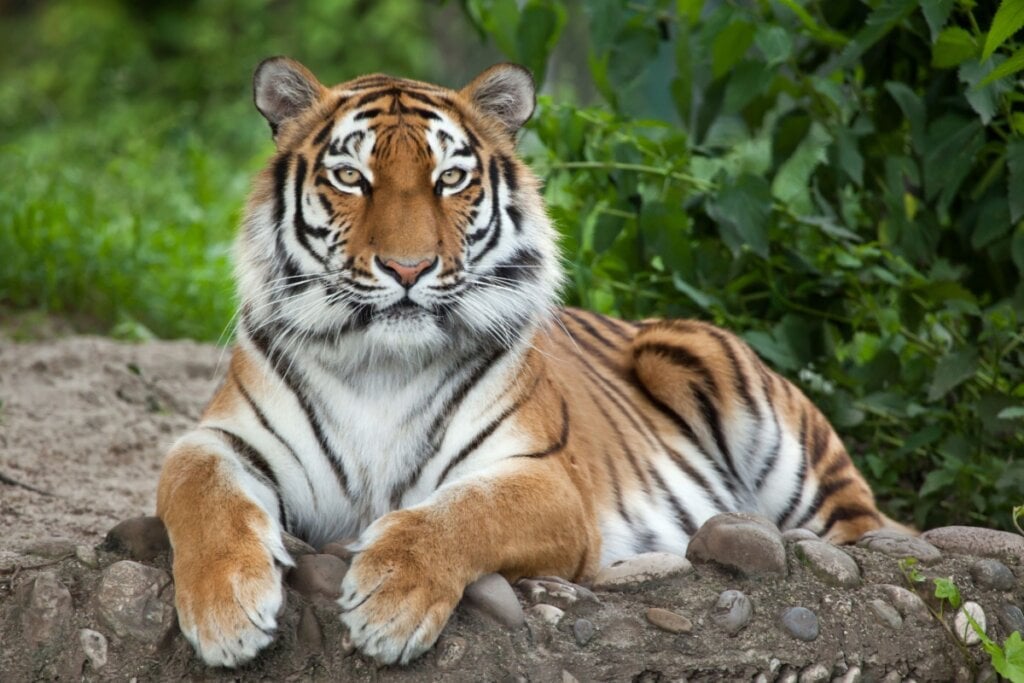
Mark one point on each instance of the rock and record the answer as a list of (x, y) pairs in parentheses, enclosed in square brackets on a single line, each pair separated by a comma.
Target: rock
[(583, 631), (787, 675), (94, 645), (86, 554), (746, 543), (140, 538), (669, 621), (549, 614), (970, 540), (989, 573), (53, 549), (320, 575), (733, 611), (886, 614), (492, 595), (1011, 617), (555, 591), (450, 651), (340, 549), (830, 564), (852, 675), (962, 626), (801, 623), (308, 633), (136, 601), (895, 544), (793, 535), (761, 678), (568, 677), (815, 673), (906, 602), (295, 546), (641, 569), (892, 677), (46, 611)]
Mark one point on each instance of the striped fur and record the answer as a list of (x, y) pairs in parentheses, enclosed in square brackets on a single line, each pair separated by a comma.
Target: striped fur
[(402, 374)]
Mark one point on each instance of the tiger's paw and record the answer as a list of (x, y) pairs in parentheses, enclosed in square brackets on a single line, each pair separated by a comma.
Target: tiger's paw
[(228, 602), (399, 592)]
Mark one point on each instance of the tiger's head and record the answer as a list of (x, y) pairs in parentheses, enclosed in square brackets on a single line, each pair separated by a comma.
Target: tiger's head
[(395, 213)]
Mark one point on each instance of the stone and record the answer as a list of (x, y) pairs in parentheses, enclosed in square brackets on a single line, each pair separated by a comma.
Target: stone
[(989, 573), (583, 631), (668, 620), (1011, 617), (450, 651), (794, 535), (549, 614), (308, 633), (886, 614), (892, 677), (801, 623), (641, 569), (555, 591), (971, 540), (46, 611), (907, 603), (829, 563), (962, 625), (788, 675), (139, 538), (898, 545), (743, 542), (340, 549), (568, 677), (815, 673), (733, 611), (51, 549), (761, 678), (492, 595), (136, 601), (320, 575), (86, 554), (852, 675), (94, 645)]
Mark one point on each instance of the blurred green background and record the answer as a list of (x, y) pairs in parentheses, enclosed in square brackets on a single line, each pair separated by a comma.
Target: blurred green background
[(840, 181)]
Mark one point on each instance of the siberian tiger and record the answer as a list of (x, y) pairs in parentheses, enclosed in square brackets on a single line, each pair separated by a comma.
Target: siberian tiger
[(404, 374)]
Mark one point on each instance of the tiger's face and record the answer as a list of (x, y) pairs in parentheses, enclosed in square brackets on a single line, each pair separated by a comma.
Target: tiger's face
[(396, 214)]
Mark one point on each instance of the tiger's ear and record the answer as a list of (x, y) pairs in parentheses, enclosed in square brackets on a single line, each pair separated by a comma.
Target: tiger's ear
[(506, 92), (283, 89)]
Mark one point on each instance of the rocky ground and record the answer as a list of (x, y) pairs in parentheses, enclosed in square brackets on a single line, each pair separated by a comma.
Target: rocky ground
[(84, 422)]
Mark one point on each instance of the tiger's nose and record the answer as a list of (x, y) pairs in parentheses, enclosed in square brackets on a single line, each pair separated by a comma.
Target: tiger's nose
[(407, 275)]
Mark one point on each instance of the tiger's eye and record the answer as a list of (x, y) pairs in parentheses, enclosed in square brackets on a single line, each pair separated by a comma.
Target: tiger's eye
[(452, 177), (347, 175)]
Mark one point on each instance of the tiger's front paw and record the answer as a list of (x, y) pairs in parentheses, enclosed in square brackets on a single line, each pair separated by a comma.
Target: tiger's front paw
[(400, 590), (228, 601)]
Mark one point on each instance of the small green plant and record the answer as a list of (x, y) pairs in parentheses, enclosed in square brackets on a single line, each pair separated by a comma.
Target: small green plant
[(1018, 513)]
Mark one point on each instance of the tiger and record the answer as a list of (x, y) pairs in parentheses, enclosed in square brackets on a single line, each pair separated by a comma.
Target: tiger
[(403, 374)]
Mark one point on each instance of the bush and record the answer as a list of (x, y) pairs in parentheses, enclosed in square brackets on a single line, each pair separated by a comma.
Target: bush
[(841, 182)]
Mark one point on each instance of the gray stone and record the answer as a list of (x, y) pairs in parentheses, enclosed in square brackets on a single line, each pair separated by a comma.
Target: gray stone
[(140, 538), (568, 677), (492, 595), (801, 623), (1011, 617), (136, 601), (830, 564), (51, 549), (583, 631), (962, 625), (744, 542), (793, 535), (641, 569), (909, 605), (989, 573), (852, 675), (668, 620), (815, 673), (340, 549), (788, 675), (450, 651), (94, 645), (733, 611), (970, 540), (898, 545), (320, 575), (46, 611), (308, 633), (86, 554), (886, 614), (892, 677)]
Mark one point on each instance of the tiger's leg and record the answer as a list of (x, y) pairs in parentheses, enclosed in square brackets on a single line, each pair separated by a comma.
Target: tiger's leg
[(763, 435), (227, 549), (526, 518)]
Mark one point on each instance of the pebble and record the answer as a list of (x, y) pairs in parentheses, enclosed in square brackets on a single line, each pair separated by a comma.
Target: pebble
[(136, 601), (549, 614), (450, 650), (907, 603), (962, 627), (830, 564), (668, 620), (46, 617), (583, 630), (340, 549), (793, 535), (733, 611), (308, 633), (852, 675), (815, 673), (492, 595), (787, 675), (886, 613), (94, 645), (140, 538), (54, 549), (320, 575), (895, 544), (892, 677), (641, 569), (747, 543), (555, 591), (568, 677), (86, 554), (801, 623), (1011, 617), (989, 573), (970, 540)]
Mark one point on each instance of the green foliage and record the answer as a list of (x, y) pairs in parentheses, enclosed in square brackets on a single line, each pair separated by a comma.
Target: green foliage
[(128, 140), (841, 182)]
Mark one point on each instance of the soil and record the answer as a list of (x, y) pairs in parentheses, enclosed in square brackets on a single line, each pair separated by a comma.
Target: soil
[(84, 423)]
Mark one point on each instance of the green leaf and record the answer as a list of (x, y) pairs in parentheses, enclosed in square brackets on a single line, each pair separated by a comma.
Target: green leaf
[(699, 297), (1011, 66), (1008, 20), (936, 13), (730, 46), (539, 27), (1013, 413), (741, 211), (791, 184), (913, 108), (884, 18), (1010, 661), (945, 589), (1015, 178), (774, 43), (822, 34), (690, 9), (983, 99), (1017, 249), (953, 370), (954, 46)]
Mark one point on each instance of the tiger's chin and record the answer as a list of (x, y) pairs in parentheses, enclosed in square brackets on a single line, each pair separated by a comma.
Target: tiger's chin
[(412, 332)]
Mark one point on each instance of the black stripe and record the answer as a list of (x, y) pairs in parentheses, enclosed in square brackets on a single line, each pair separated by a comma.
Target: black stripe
[(519, 266), (686, 522), (303, 230), (844, 513), (578, 319), (712, 418), (797, 495), (255, 461), (495, 223), (682, 357), (819, 498), (773, 455), (610, 325), (280, 179), (509, 172), (645, 483), (740, 381), (563, 438), (516, 216), (819, 438), (367, 114)]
